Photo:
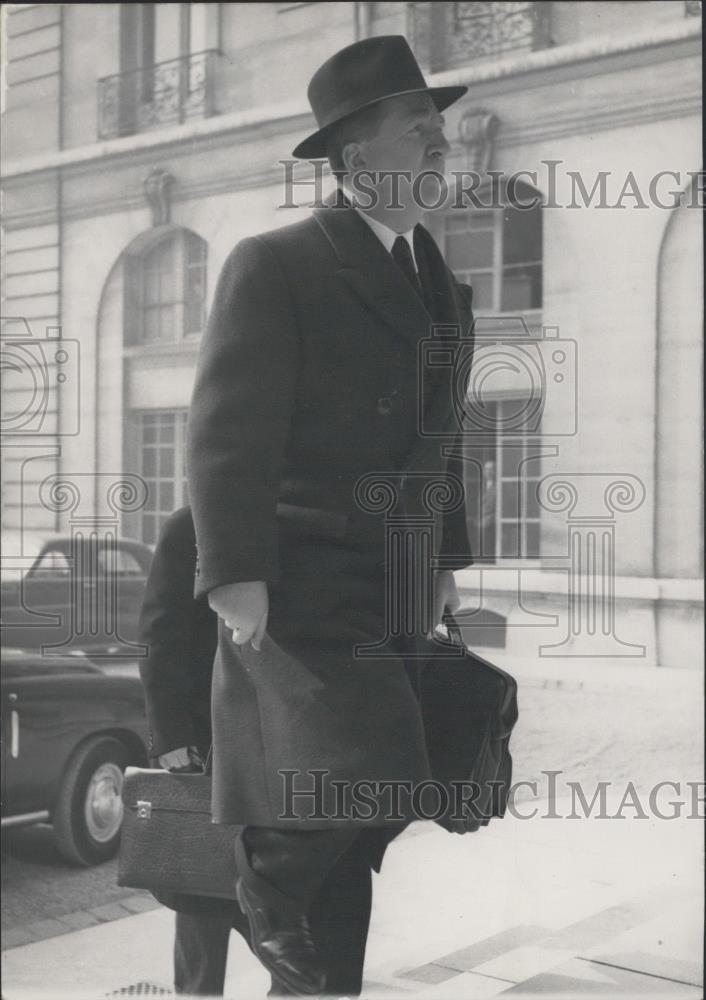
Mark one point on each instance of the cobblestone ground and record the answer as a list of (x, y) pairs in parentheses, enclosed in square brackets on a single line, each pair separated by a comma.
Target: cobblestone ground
[(619, 734)]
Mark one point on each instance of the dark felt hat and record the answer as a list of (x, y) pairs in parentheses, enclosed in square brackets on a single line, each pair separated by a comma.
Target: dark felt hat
[(361, 75)]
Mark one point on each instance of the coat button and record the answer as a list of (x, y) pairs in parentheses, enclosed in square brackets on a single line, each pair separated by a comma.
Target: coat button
[(384, 406)]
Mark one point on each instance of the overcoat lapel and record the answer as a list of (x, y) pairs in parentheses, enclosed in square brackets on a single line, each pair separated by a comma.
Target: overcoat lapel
[(367, 268), (451, 335), (447, 306), (375, 277)]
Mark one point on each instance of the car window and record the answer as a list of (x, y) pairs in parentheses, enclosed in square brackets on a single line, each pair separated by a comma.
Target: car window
[(20, 550), (118, 561), (52, 563)]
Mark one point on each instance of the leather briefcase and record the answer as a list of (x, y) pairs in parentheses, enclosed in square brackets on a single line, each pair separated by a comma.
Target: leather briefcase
[(469, 708), (168, 842)]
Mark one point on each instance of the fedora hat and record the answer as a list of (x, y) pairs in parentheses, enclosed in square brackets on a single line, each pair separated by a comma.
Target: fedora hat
[(360, 75)]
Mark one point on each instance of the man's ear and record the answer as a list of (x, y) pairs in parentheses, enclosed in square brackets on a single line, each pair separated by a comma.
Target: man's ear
[(353, 157)]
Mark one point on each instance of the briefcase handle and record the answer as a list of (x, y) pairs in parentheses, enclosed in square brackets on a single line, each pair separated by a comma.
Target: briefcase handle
[(453, 629)]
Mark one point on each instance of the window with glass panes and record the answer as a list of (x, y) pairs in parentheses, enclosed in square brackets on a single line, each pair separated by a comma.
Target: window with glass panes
[(501, 477), (168, 284), (162, 438), (499, 252), (159, 294)]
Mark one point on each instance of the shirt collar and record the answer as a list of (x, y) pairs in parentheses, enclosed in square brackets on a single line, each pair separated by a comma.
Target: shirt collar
[(386, 235)]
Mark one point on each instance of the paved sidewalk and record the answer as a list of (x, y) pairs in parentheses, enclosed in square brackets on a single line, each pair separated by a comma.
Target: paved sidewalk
[(552, 906)]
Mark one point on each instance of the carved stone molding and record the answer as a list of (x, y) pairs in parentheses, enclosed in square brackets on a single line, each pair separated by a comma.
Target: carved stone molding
[(158, 185), (477, 130)]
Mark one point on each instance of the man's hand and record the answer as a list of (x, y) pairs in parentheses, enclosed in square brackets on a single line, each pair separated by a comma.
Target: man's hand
[(445, 595), (183, 759), (244, 608)]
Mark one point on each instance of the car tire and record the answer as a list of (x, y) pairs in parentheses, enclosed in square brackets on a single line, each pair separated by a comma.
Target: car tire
[(88, 813)]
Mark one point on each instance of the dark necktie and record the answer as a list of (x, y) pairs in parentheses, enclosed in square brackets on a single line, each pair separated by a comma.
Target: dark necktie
[(403, 255), (426, 279)]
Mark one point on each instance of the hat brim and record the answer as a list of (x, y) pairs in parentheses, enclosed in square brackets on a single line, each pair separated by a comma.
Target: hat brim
[(314, 146)]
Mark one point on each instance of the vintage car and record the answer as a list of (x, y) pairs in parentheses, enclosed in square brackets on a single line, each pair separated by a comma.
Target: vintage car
[(70, 726), (72, 592)]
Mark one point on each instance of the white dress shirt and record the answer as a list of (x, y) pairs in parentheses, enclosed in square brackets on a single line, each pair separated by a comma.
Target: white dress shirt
[(386, 235)]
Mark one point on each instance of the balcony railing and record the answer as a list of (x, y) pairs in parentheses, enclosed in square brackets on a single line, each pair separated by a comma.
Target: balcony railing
[(445, 35), (151, 96)]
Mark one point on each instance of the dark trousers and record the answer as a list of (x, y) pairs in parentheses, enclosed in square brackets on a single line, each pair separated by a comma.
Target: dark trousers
[(200, 953), (338, 911), (295, 862), (339, 917)]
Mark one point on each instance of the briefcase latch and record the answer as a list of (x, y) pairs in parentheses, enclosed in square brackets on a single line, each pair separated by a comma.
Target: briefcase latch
[(144, 809)]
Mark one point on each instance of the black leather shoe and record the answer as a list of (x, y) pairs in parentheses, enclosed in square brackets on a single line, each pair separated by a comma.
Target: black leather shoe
[(281, 939)]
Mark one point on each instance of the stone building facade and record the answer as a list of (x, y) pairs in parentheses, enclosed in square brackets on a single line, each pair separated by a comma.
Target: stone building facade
[(142, 141)]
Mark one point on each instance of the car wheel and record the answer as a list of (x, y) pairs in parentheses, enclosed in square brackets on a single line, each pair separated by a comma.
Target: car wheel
[(89, 810)]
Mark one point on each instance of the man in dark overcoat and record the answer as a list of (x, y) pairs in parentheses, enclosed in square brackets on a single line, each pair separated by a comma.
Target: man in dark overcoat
[(181, 633), (308, 415)]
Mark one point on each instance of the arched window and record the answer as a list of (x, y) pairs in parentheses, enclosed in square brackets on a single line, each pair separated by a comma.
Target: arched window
[(157, 297), (165, 289), (499, 250)]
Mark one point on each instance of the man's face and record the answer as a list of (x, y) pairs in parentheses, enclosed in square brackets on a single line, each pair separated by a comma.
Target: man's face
[(410, 138)]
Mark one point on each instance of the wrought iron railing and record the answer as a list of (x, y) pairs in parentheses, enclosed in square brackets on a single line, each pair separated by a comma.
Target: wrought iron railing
[(444, 35), (150, 96)]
